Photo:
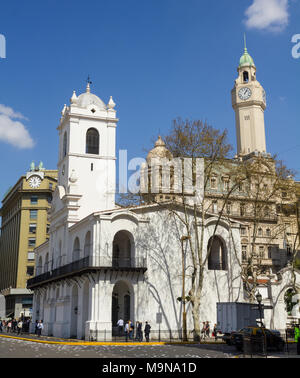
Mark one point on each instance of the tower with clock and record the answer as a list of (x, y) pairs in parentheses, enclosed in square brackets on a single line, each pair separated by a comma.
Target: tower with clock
[(249, 104)]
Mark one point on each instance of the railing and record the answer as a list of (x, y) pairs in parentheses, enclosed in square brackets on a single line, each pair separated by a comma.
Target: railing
[(89, 262)]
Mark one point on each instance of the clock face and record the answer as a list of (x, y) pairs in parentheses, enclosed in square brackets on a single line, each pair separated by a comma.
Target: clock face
[(35, 182), (245, 93)]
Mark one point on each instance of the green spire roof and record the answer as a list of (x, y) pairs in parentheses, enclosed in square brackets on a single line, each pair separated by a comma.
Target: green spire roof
[(246, 59)]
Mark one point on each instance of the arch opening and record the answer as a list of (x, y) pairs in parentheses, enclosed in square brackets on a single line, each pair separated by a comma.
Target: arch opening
[(217, 259)]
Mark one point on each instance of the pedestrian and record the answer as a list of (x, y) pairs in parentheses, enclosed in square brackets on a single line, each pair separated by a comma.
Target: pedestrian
[(19, 326), (297, 338), (40, 327), (127, 330), (14, 325), (215, 332), (139, 332), (36, 328), (131, 330), (147, 331), (120, 325), (1, 325), (9, 327), (207, 329), (203, 329)]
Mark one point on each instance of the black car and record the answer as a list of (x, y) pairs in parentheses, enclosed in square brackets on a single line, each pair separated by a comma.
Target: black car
[(256, 336)]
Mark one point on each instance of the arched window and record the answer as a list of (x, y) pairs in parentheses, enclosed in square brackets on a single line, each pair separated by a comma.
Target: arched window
[(76, 250), (65, 144), (122, 248), (92, 142), (46, 265), (245, 76), (87, 244), (217, 254)]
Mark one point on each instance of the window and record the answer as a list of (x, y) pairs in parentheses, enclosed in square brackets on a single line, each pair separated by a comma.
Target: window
[(32, 228), (50, 186), (244, 253), (31, 242), (267, 211), (213, 183), (30, 256), (260, 232), (268, 232), (245, 76), (214, 207), (243, 231), (269, 252), (47, 229), (228, 208), (33, 214), (242, 209), (65, 145), (226, 184), (92, 142), (261, 252), (30, 270), (34, 200)]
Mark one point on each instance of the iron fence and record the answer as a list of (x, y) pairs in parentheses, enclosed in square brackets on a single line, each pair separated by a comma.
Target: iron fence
[(258, 345), (114, 335)]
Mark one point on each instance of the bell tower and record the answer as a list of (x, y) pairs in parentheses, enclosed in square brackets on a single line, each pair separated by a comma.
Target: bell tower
[(249, 104), (87, 158)]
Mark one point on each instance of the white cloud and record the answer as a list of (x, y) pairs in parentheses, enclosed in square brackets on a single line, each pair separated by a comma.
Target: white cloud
[(269, 15), (13, 131)]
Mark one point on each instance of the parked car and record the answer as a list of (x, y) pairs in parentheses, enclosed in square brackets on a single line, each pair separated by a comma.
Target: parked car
[(273, 338)]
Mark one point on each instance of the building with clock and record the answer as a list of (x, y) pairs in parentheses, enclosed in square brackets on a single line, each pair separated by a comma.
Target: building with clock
[(24, 226), (103, 261)]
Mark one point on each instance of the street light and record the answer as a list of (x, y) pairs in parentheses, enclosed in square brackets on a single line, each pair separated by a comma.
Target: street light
[(184, 327)]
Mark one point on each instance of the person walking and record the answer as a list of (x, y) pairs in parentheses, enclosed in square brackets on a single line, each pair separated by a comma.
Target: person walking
[(9, 327), (120, 325), (40, 327), (139, 332), (131, 330), (203, 333), (1, 325), (127, 330), (36, 328), (147, 331), (297, 338), (215, 332), (19, 326), (207, 329)]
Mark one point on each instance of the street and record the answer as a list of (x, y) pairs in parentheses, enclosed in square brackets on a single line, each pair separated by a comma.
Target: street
[(13, 348)]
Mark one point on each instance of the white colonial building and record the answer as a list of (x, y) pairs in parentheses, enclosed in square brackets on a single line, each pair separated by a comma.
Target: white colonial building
[(104, 262)]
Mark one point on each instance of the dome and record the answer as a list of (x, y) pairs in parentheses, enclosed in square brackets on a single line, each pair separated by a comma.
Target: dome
[(246, 60), (159, 151), (86, 99)]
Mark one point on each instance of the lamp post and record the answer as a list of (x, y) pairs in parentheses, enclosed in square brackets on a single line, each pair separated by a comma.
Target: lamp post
[(184, 326), (259, 300)]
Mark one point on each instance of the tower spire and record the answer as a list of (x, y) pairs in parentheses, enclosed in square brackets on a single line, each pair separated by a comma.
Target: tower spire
[(245, 43), (88, 88)]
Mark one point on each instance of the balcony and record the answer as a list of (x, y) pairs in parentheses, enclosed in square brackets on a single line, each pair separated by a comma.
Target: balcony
[(86, 265)]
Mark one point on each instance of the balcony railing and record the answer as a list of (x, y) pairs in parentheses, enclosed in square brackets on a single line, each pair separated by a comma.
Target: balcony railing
[(89, 263)]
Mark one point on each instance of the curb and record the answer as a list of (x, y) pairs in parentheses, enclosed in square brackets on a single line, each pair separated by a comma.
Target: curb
[(95, 343)]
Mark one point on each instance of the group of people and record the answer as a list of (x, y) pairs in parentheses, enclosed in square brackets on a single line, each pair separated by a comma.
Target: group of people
[(18, 326), (128, 328), (205, 331)]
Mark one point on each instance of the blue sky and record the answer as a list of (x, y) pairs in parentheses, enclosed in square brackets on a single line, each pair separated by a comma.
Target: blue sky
[(159, 59)]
